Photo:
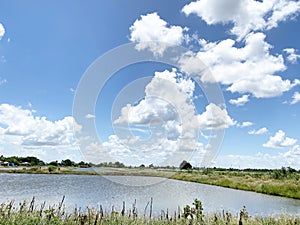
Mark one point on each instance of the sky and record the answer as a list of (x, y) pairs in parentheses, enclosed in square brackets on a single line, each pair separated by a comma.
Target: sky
[(214, 82)]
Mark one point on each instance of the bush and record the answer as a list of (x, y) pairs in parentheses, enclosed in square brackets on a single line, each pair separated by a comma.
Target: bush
[(51, 168)]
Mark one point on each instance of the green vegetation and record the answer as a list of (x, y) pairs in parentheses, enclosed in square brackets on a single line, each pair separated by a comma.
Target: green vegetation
[(281, 182), (17, 161), (111, 164), (26, 213)]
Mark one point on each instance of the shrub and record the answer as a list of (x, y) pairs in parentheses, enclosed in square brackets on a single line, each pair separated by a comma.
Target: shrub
[(51, 168)]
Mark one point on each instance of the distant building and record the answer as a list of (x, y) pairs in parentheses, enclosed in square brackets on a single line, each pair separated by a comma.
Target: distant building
[(5, 164), (25, 164), (11, 164)]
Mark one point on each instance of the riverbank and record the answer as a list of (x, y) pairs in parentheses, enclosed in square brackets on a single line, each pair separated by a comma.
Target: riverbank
[(256, 181), (289, 188)]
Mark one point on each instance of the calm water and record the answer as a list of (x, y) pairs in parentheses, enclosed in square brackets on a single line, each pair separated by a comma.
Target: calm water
[(84, 190)]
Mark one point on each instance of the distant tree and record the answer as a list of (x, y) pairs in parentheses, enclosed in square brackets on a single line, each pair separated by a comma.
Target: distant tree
[(184, 165), (103, 164), (111, 164), (53, 163), (119, 165), (142, 166), (67, 162), (83, 164), (13, 159), (34, 161)]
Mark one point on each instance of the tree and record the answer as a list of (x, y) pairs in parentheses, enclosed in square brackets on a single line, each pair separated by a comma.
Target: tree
[(53, 163), (184, 165), (119, 165), (67, 162), (34, 161)]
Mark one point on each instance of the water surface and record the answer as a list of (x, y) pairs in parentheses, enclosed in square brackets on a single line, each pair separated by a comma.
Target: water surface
[(87, 190)]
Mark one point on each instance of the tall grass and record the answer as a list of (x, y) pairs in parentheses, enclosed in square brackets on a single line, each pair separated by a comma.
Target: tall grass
[(29, 213)]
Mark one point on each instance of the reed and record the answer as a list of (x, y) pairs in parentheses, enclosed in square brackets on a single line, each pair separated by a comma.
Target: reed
[(31, 213)]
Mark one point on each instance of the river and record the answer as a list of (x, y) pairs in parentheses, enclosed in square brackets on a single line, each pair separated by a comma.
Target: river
[(93, 191)]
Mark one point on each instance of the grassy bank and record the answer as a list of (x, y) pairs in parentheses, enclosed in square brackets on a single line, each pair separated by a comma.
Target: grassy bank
[(43, 215), (261, 182), (283, 183)]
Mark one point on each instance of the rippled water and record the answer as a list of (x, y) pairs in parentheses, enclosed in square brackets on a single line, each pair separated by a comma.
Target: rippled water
[(85, 190)]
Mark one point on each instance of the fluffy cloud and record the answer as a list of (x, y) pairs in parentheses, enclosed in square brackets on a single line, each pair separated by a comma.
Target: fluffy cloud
[(292, 56), (89, 116), (167, 99), (295, 98), (168, 115), (151, 29), (293, 156), (130, 151), (245, 15), (33, 131), (215, 118), (239, 101), (260, 160), (2, 31), (279, 140), (248, 69), (262, 130), (146, 153), (245, 124)]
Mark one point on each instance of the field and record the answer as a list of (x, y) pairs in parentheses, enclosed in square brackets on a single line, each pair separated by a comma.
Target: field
[(29, 213)]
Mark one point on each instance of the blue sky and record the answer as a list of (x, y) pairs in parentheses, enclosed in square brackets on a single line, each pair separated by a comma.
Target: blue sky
[(251, 49)]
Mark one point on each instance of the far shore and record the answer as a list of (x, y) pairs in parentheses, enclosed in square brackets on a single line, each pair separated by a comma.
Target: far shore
[(256, 181)]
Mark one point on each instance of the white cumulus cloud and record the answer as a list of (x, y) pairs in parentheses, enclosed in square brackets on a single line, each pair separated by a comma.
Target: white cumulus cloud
[(89, 116), (245, 15), (247, 69), (240, 101), (295, 98), (244, 124), (31, 130), (279, 140), (262, 130), (168, 113), (292, 55), (2, 31), (290, 158), (148, 31), (215, 118)]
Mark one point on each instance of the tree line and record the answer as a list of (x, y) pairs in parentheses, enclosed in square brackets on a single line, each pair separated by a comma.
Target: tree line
[(283, 172)]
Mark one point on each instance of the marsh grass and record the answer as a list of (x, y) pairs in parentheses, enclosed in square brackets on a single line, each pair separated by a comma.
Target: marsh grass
[(30, 213)]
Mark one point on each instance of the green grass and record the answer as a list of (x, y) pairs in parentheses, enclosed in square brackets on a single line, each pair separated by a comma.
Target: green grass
[(10, 214), (261, 183)]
